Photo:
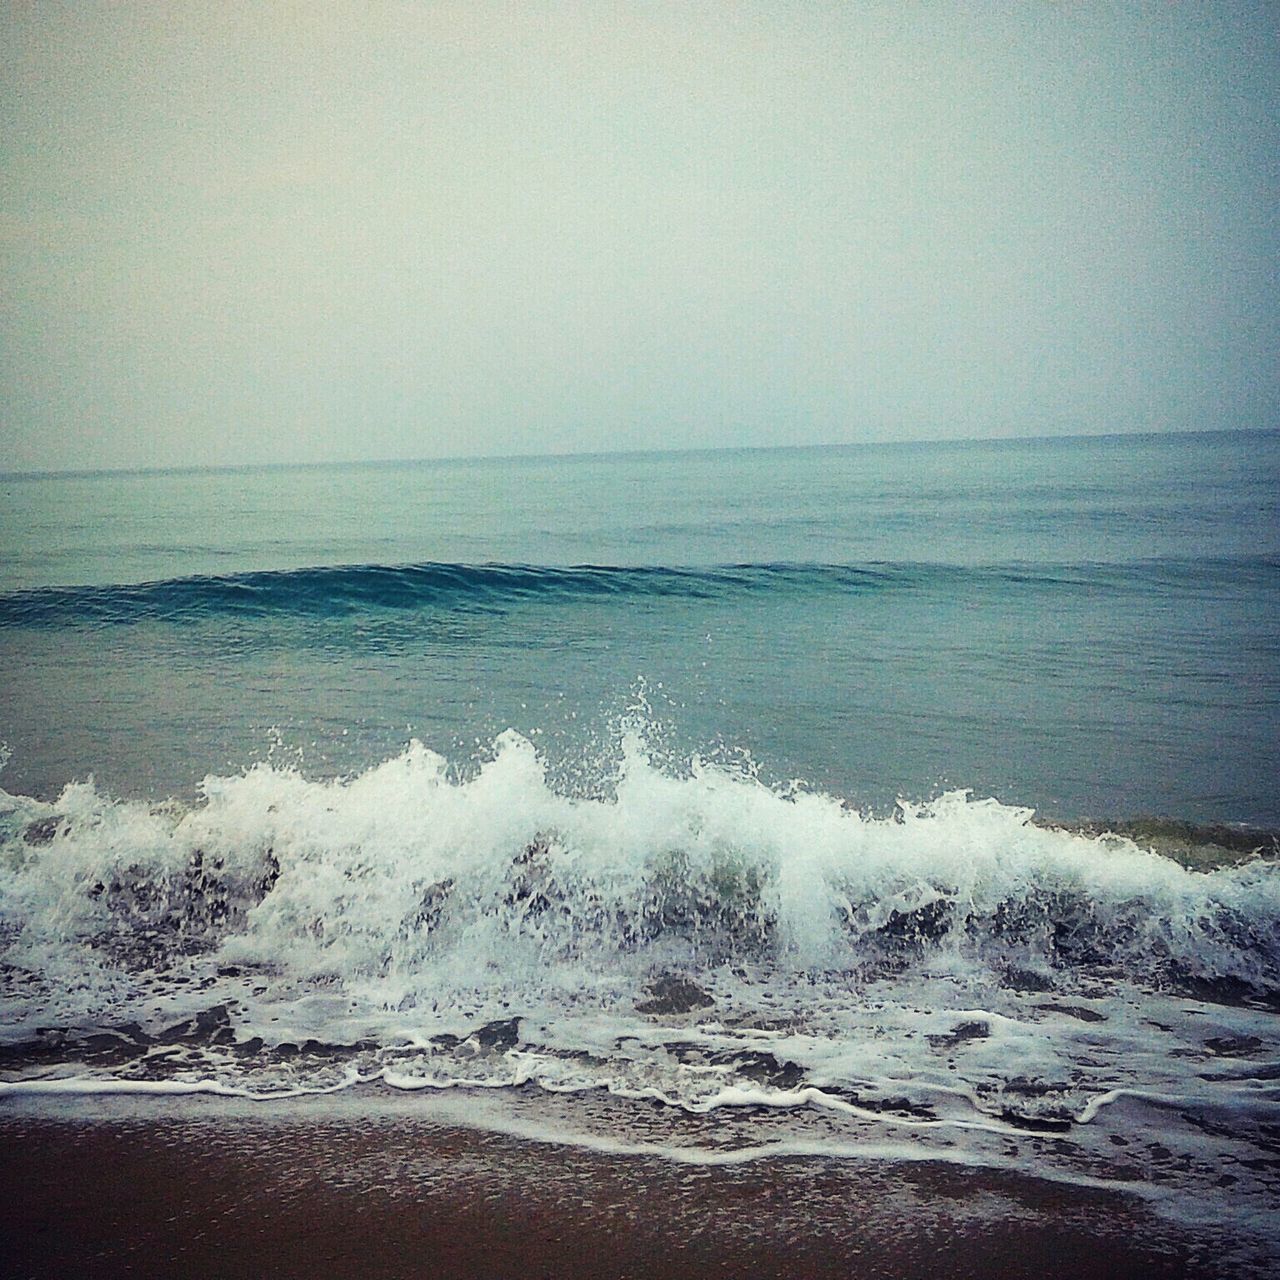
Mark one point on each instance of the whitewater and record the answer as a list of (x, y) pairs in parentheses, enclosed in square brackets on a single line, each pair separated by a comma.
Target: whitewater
[(953, 980)]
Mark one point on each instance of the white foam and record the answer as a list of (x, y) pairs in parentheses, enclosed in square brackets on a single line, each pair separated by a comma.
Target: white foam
[(405, 882), (956, 981)]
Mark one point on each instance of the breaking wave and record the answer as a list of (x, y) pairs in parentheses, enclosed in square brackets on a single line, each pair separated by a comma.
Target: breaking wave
[(953, 982), (410, 884)]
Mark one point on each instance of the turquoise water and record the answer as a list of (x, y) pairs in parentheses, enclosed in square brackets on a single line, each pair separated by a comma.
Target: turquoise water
[(1089, 626)]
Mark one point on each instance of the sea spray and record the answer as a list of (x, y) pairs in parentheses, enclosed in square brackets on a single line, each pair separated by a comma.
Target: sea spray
[(410, 882)]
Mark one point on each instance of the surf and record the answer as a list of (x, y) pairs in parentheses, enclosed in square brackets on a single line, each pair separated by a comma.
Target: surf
[(408, 879), (952, 981)]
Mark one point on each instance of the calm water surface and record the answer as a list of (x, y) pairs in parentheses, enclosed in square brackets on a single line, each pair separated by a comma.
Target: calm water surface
[(1087, 626)]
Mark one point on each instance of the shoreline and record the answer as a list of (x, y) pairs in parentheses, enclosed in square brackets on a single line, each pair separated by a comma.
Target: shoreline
[(196, 1188)]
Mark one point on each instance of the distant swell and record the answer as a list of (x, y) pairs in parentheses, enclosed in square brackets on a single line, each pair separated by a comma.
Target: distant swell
[(350, 589)]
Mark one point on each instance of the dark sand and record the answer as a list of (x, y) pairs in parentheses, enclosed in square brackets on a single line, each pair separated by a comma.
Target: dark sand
[(165, 1188)]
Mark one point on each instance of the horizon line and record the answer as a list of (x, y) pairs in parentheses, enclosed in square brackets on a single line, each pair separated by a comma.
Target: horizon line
[(600, 454)]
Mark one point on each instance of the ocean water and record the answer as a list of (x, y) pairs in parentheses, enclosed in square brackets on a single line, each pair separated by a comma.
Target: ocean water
[(908, 800)]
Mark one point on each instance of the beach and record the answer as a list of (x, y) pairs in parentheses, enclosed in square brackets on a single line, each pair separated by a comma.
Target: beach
[(378, 1188), (639, 641)]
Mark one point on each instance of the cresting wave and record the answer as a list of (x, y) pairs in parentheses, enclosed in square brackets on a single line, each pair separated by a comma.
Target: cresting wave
[(346, 589), (954, 983), (411, 886)]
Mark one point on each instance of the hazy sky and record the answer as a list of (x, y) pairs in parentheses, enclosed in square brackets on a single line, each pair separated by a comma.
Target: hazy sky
[(243, 233)]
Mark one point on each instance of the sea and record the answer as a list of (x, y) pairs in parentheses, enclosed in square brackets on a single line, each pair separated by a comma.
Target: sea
[(884, 801)]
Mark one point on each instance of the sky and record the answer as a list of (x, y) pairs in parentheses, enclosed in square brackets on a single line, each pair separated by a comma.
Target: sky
[(249, 233)]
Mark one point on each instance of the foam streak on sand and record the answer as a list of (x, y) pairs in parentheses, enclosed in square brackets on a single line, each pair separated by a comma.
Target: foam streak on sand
[(377, 1185)]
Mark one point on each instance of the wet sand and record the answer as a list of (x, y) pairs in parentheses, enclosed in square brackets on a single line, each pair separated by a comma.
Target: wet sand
[(169, 1189)]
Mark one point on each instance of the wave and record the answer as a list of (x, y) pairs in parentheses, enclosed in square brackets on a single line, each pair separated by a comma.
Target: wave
[(409, 880), (955, 980), (334, 591)]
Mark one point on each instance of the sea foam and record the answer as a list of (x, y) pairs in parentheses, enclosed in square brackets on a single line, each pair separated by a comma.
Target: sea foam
[(410, 883), (953, 981)]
